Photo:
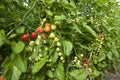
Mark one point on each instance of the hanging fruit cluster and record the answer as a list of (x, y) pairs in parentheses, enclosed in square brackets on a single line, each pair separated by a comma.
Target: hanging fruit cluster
[(42, 44)]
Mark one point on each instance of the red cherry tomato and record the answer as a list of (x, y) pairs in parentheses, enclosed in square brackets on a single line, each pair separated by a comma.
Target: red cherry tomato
[(33, 35), (40, 30), (25, 37)]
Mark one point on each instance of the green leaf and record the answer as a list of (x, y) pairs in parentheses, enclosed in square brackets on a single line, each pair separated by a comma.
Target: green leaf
[(54, 57), (79, 74), (39, 77), (20, 30), (60, 17), (83, 46), (50, 74), (89, 29), (69, 5), (16, 73), (67, 47), (20, 63), (77, 29), (49, 1), (59, 72), (13, 73), (95, 73), (39, 65), (2, 37), (17, 47), (110, 55), (49, 13), (12, 36), (103, 1), (101, 57)]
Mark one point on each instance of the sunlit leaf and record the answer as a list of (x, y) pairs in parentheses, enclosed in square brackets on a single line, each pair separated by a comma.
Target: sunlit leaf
[(60, 17), (20, 63), (17, 47), (59, 72), (79, 74), (38, 65), (67, 47)]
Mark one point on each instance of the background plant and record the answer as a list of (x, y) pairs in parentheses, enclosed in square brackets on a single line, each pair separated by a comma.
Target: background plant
[(88, 32)]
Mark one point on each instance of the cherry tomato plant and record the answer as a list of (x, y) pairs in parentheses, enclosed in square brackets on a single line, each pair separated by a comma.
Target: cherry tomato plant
[(59, 39)]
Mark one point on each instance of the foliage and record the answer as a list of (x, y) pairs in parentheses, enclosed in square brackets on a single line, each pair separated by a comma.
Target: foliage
[(83, 44)]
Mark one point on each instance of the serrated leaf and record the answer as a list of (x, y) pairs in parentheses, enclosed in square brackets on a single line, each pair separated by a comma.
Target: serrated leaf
[(13, 73), (38, 65), (67, 47), (89, 29), (20, 63), (16, 73), (2, 37), (59, 73), (79, 74), (17, 47)]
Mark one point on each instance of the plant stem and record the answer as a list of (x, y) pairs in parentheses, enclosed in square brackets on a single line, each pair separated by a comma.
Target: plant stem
[(26, 14)]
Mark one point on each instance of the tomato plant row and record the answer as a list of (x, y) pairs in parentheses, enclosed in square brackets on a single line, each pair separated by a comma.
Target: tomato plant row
[(59, 39)]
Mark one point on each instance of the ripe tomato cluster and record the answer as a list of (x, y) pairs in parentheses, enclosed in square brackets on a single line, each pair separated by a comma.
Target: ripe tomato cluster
[(40, 30), (41, 42)]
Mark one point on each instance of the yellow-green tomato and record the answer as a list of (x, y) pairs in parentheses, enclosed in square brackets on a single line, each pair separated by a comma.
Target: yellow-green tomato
[(52, 35), (53, 27)]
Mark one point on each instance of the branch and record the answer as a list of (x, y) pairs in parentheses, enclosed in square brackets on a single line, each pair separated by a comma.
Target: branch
[(22, 19)]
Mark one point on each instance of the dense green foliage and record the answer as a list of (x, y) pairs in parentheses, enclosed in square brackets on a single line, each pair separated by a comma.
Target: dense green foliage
[(88, 35)]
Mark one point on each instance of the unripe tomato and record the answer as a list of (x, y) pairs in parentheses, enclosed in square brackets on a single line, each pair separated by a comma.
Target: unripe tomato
[(58, 49), (40, 30), (58, 44), (25, 37), (47, 24), (60, 54), (56, 39), (61, 58), (53, 27), (81, 55), (33, 35), (39, 37), (44, 19), (31, 43), (52, 35), (47, 27)]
